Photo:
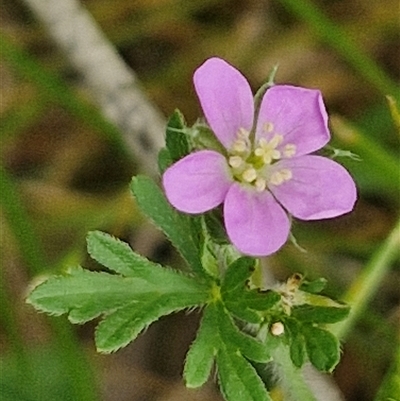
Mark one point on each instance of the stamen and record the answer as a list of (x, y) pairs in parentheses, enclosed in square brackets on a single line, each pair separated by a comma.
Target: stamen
[(249, 175), (235, 161), (276, 140), (289, 150), (279, 177), (267, 151), (260, 184), (239, 146), (243, 133), (268, 127)]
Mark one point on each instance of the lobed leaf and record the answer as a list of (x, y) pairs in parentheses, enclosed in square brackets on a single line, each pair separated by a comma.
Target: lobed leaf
[(154, 204), (237, 274), (85, 294), (200, 358), (118, 256), (238, 379), (322, 347), (320, 314), (122, 326), (297, 342), (176, 140)]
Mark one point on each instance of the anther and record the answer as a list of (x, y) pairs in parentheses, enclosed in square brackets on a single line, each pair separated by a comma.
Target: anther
[(289, 150), (235, 161), (249, 175)]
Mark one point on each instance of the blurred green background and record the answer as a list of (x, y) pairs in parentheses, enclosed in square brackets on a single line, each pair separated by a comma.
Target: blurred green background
[(61, 174)]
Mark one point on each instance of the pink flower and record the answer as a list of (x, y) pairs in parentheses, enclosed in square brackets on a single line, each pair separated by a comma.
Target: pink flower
[(267, 171)]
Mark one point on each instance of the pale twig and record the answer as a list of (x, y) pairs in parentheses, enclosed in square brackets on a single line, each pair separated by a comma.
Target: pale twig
[(109, 80)]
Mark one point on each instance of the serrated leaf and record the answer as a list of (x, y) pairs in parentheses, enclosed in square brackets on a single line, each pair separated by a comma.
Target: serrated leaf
[(237, 274), (238, 379), (200, 358), (297, 342), (164, 160), (122, 326), (127, 304), (244, 343), (243, 312), (118, 256), (176, 140), (320, 314), (85, 294), (215, 228), (181, 230), (323, 348), (260, 300), (315, 286)]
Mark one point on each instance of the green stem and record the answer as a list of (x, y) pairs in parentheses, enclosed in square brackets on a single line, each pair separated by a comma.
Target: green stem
[(370, 279), (339, 40)]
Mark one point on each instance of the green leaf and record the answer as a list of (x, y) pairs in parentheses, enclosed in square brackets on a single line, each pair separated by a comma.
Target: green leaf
[(164, 160), (119, 257), (244, 343), (320, 314), (176, 140), (182, 230), (315, 286), (238, 379), (220, 337), (215, 228), (85, 294), (323, 348), (297, 342), (237, 275), (128, 304), (199, 359), (124, 325)]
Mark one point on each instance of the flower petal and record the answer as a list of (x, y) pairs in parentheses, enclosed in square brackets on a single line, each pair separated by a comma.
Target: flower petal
[(256, 224), (319, 188), (225, 97), (198, 182), (298, 114)]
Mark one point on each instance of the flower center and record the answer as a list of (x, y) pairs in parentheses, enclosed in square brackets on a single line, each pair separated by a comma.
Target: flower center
[(251, 162)]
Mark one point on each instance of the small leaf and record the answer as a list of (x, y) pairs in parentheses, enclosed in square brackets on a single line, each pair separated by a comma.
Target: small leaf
[(200, 357), (118, 256), (237, 274), (323, 348), (315, 286), (238, 379), (181, 230), (176, 140), (164, 160), (215, 228), (260, 300), (122, 326), (320, 314), (297, 342), (85, 294), (244, 343), (242, 311)]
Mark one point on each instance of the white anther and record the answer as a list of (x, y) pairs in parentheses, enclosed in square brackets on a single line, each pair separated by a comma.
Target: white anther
[(268, 127), (250, 174), (236, 161), (289, 150), (276, 140), (239, 146), (279, 177), (260, 184), (243, 133)]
